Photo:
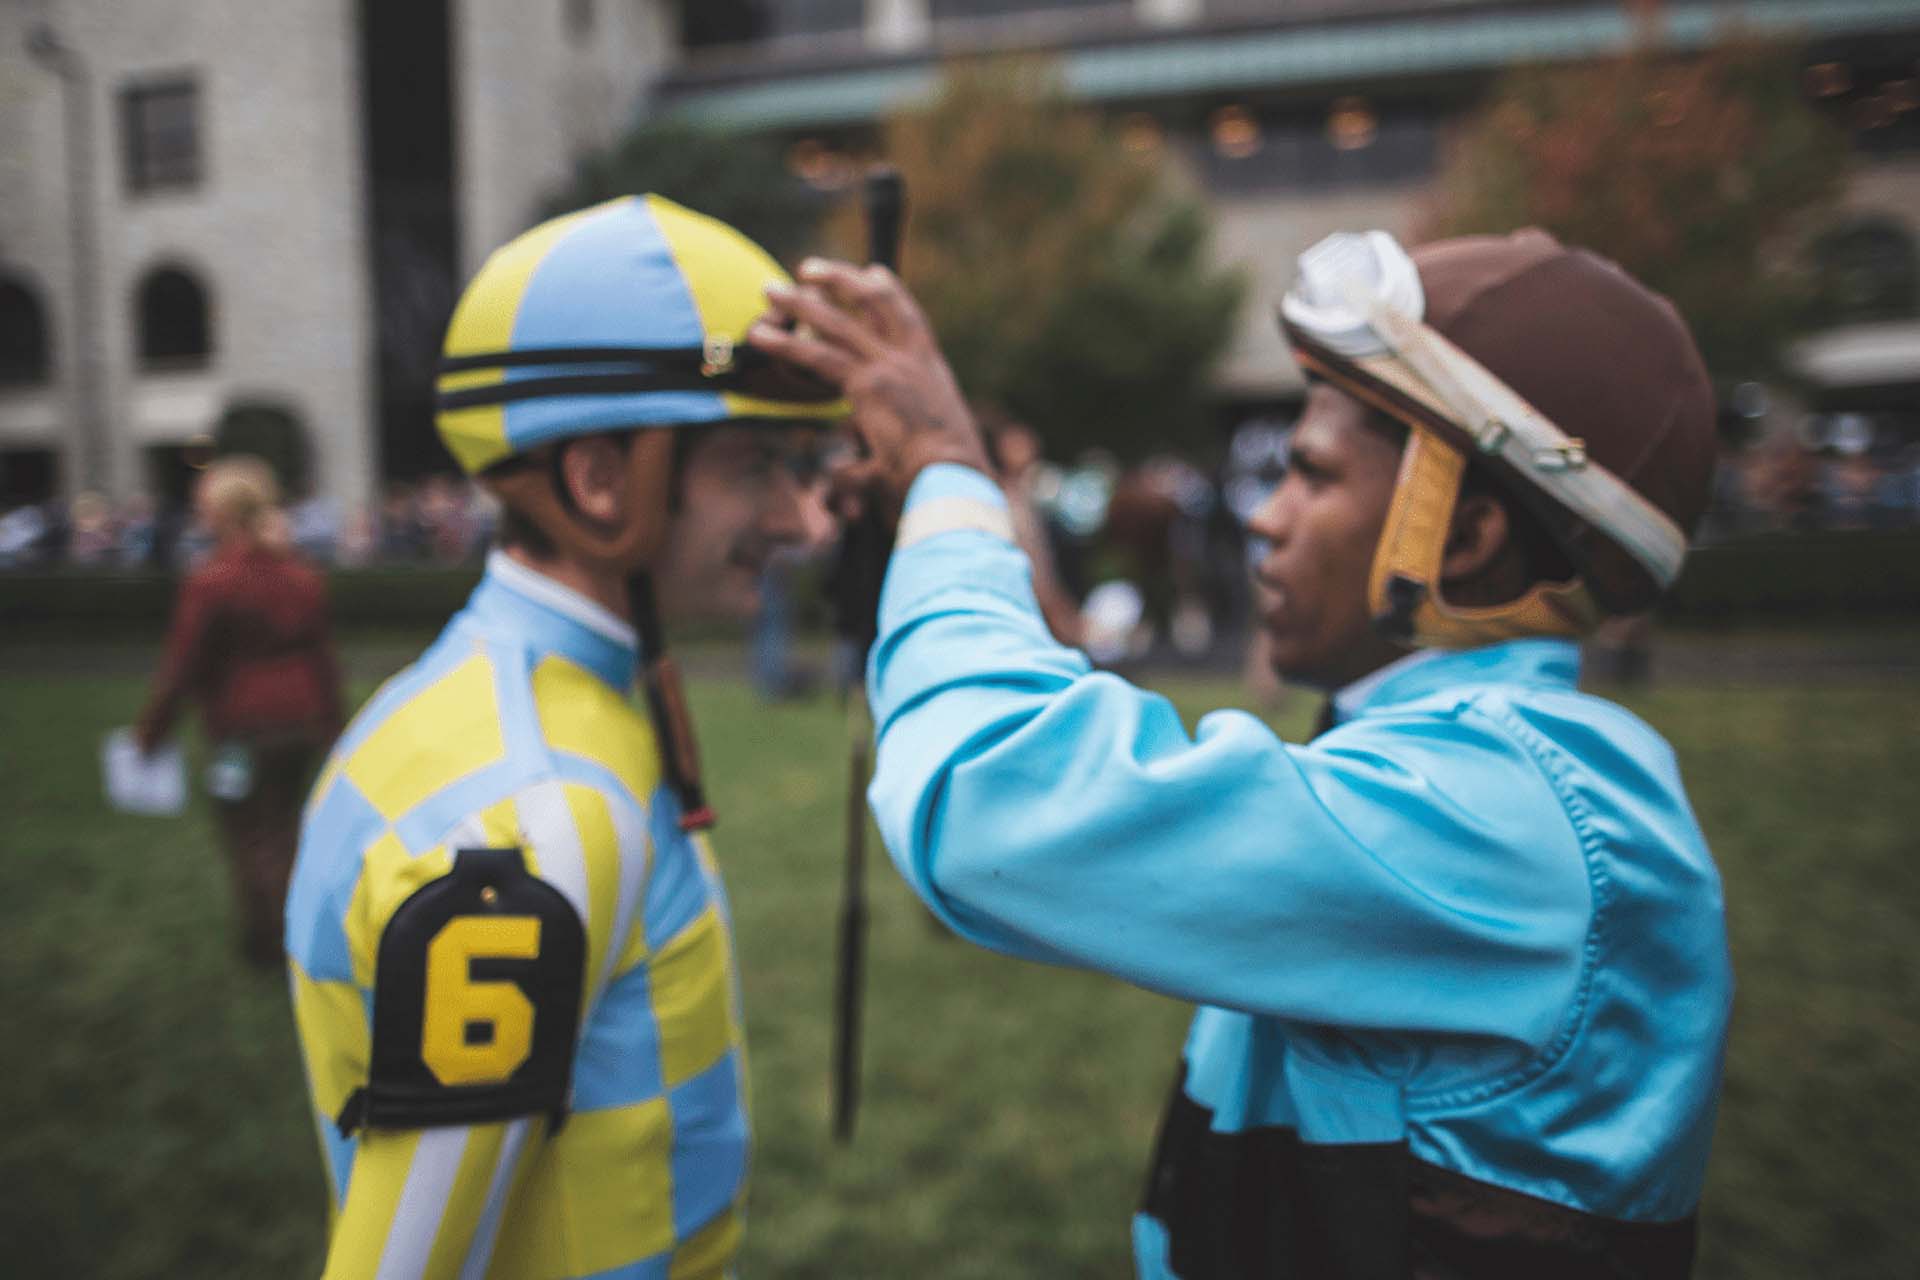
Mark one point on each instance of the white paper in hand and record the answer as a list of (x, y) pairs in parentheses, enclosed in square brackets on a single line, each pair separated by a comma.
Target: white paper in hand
[(137, 783)]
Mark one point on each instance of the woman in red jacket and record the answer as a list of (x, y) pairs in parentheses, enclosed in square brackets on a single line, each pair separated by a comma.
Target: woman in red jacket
[(251, 644)]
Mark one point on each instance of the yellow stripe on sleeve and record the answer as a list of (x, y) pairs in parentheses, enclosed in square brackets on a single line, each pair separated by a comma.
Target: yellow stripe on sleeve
[(601, 853), (373, 1197), (486, 1147), (449, 730)]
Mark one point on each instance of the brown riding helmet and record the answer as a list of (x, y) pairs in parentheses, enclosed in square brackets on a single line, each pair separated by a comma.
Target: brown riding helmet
[(1604, 358), (1600, 354)]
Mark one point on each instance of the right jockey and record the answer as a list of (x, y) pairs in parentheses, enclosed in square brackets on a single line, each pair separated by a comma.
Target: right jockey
[(1461, 961)]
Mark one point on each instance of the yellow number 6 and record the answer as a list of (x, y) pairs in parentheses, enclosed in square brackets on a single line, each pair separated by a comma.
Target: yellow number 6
[(477, 1032)]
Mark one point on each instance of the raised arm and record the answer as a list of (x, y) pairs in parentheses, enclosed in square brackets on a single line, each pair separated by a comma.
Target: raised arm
[(1063, 815)]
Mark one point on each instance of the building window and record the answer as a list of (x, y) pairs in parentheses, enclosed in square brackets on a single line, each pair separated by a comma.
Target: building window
[(948, 10), (718, 23), (173, 320), (28, 476), (24, 358), (160, 135)]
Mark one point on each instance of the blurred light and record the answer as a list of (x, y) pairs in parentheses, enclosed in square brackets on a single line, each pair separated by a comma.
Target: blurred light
[(1112, 611), (1081, 504), (819, 165), (1904, 93), (1828, 79), (1140, 132), (1351, 124), (1850, 434), (1236, 134)]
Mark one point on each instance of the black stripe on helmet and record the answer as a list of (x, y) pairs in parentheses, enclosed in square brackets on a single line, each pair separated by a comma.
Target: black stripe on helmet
[(666, 357)]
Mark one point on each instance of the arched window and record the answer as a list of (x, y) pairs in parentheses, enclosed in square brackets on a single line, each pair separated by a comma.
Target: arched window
[(24, 355), (173, 320)]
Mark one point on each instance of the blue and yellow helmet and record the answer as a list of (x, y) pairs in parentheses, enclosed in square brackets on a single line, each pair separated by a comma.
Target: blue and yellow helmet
[(629, 314)]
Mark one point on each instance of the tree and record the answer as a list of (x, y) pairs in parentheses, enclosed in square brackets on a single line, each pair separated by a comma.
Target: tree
[(740, 179), (1066, 277), (1702, 176)]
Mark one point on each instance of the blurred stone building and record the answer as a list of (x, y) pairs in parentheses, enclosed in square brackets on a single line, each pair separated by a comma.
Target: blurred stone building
[(1301, 117), (203, 201), (211, 201)]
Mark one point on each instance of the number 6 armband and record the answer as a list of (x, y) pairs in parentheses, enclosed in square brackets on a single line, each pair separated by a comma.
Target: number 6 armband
[(476, 1001)]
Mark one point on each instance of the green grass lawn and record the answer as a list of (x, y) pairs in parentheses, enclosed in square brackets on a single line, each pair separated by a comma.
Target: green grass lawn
[(152, 1119)]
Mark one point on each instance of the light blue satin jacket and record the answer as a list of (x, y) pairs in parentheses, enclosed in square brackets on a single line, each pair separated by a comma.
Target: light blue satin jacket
[(1477, 916)]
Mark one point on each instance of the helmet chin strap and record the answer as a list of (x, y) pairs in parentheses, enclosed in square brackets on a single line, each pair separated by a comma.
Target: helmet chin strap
[(1355, 317), (625, 548), (1403, 589)]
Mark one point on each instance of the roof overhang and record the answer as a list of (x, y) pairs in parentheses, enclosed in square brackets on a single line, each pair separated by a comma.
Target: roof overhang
[(1295, 56)]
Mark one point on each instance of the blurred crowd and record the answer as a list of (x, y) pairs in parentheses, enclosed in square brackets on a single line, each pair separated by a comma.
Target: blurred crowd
[(1151, 555), (442, 520), (1780, 484)]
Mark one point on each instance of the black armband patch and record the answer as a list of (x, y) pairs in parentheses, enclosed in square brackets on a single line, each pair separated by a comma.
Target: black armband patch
[(476, 1000)]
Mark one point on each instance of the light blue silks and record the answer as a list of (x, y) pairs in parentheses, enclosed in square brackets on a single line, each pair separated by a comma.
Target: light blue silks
[(1478, 914)]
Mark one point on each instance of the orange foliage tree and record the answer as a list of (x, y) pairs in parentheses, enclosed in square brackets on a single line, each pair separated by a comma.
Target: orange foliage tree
[(1702, 175), (1067, 277)]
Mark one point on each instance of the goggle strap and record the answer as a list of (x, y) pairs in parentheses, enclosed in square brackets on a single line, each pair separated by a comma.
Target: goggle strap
[(1465, 393), (670, 357), (719, 365), (579, 385), (667, 708)]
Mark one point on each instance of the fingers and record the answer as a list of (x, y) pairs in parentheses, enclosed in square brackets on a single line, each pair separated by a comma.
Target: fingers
[(872, 290), (805, 351), (811, 307), (854, 483)]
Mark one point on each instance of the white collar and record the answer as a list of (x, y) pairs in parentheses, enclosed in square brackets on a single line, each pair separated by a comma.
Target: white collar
[(1350, 697), (562, 599)]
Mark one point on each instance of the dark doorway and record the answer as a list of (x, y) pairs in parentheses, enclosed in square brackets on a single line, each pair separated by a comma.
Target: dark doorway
[(172, 471), (24, 359), (171, 319), (408, 115), (27, 475)]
